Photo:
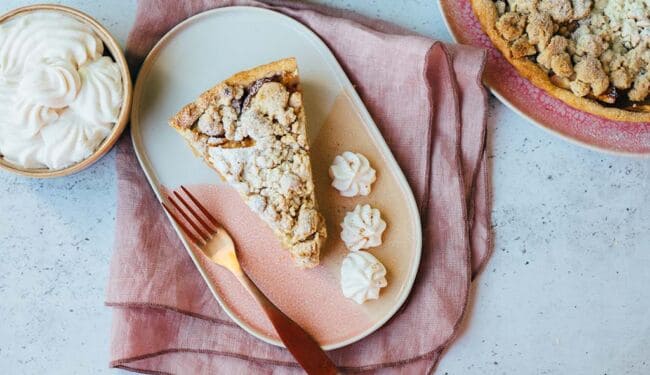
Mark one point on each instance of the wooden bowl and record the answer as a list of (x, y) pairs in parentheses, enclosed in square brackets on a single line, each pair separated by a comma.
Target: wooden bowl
[(116, 53)]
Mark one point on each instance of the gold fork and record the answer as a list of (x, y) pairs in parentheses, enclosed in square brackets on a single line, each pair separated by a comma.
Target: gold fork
[(215, 242)]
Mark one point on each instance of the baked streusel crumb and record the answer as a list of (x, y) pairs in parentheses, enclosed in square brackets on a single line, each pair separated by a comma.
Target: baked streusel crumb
[(251, 129), (598, 49)]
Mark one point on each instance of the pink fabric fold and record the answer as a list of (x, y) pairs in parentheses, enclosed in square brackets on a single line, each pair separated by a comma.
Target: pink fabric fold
[(429, 103)]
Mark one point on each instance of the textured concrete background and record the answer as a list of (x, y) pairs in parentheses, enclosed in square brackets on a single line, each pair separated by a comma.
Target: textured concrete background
[(565, 292)]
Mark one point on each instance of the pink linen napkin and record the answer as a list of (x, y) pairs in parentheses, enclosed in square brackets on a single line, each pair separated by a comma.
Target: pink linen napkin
[(429, 103)]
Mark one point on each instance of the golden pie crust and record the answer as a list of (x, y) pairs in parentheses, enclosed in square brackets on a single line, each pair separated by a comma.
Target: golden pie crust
[(488, 16)]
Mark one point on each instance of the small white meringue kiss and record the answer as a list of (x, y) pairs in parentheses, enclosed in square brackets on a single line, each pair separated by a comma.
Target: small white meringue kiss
[(352, 174), (362, 228), (362, 276)]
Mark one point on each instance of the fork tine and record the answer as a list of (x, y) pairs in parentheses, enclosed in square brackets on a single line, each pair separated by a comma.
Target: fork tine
[(186, 230), (197, 229), (200, 206), (208, 228)]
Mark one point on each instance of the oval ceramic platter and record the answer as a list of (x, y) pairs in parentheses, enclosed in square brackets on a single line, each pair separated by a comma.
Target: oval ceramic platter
[(203, 51), (625, 138)]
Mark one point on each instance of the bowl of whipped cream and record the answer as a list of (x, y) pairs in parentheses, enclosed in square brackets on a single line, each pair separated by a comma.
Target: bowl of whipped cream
[(65, 91)]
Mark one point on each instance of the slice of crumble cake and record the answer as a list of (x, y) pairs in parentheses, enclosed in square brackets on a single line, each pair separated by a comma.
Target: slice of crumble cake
[(251, 129)]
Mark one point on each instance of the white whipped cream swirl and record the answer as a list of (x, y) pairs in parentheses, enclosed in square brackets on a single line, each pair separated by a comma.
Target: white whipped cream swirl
[(352, 174), (59, 97), (362, 276), (100, 99), (362, 228)]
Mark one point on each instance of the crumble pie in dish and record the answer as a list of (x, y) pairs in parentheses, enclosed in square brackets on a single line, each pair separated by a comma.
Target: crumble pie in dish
[(592, 54)]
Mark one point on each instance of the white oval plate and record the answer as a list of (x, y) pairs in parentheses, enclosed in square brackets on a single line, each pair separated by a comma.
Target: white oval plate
[(204, 50)]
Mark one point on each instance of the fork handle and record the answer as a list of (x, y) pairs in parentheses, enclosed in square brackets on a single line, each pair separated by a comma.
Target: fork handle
[(303, 347)]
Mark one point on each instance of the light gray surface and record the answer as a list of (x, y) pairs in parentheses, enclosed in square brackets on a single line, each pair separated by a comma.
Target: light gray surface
[(565, 292)]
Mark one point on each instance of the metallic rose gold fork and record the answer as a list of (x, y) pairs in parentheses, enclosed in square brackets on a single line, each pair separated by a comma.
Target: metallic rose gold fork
[(214, 241)]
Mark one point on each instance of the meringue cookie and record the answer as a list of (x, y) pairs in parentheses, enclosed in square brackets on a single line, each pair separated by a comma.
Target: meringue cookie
[(352, 174), (362, 276), (362, 228)]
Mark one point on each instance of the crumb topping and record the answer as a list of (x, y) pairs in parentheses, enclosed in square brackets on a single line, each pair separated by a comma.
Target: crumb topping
[(595, 48), (256, 139)]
